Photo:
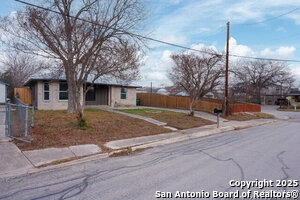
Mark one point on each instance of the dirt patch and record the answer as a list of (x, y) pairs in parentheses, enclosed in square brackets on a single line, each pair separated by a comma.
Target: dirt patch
[(173, 119), (248, 116), (59, 129), (127, 151), (241, 128)]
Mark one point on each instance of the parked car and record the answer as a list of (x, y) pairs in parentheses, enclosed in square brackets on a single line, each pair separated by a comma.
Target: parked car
[(281, 102)]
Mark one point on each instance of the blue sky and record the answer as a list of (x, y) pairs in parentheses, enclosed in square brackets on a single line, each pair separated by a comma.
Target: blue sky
[(198, 23)]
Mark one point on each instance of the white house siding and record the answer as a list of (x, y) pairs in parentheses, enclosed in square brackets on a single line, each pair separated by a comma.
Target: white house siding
[(115, 97), (2, 93), (53, 103)]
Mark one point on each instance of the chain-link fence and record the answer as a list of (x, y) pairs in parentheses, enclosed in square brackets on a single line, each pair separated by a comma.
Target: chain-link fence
[(2, 115), (19, 121)]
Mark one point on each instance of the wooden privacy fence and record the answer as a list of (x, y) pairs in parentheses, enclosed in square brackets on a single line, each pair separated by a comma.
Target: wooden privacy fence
[(236, 108), (24, 94), (206, 104)]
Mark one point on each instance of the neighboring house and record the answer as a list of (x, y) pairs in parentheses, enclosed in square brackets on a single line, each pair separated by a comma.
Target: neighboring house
[(162, 91), (3, 92), (182, 94), (294, 97), (49, 93), (270, 95)]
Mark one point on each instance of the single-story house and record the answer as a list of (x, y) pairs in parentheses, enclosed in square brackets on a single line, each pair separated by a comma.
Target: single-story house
[(3, 92), (294, 97), (48, 93)]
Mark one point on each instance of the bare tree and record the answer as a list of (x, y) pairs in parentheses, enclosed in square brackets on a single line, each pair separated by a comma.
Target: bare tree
[(196, 74), (17, 68), (261, 74), (90, 38)]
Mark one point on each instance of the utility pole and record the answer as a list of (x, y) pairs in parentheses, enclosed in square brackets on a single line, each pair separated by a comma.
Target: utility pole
[(226, 78)]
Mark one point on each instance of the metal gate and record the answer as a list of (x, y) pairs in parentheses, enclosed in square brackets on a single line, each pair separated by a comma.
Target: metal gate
[(19, 121)]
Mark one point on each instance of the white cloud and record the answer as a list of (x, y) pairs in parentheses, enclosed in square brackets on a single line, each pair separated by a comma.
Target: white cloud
[(239, 49), (157, 66), (201, 46), (155, 69), (13, 14), (177, 39), (281, 52), (296, 17), (202, 18), (295, 69)]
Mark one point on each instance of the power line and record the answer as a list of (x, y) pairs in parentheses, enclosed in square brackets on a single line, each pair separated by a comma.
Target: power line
[(116, 29), (270, 19), (260, 58), (152, 39)]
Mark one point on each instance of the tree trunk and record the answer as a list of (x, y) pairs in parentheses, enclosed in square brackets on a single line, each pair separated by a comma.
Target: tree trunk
[(192, 106), (71, 93), (80, 105), (258, 94)]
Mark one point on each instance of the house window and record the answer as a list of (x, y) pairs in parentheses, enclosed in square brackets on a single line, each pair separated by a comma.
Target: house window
[(63, 91), (46, 91), (297, 98), (91, 95), (123, 93)]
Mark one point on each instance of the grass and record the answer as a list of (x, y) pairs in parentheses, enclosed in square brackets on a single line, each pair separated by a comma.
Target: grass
[(173, 119), (289, 109), (59, 129), (249, 116)]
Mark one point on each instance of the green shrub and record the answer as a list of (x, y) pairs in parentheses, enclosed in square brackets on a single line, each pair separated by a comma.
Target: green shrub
[(82, 124)]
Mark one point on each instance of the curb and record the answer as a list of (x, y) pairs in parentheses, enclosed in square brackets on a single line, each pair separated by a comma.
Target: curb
[(197, 135), (70, 163), (155, 143)]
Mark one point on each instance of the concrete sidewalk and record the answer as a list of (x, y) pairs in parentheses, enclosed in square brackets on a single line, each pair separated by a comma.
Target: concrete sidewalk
[(148, 119), (12, 160), (49, 155), (152, 141), (200, 114)]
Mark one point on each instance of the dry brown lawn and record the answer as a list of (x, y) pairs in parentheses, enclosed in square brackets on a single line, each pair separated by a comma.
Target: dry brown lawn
[(59, 129), (248, 116), (173, 119)]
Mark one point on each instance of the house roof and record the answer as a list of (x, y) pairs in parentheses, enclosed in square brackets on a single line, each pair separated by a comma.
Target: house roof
[(3, 83), (294, 92), (162, 91), (183, 93), (104, 80)]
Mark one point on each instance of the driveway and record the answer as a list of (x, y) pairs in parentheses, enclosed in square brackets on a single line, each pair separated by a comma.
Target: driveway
[(272, 109), (268, 152)]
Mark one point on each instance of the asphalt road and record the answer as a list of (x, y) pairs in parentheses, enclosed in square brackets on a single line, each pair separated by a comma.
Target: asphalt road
[(268, 152)]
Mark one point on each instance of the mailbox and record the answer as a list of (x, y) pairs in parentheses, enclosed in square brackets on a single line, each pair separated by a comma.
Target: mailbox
[(218, 110)]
